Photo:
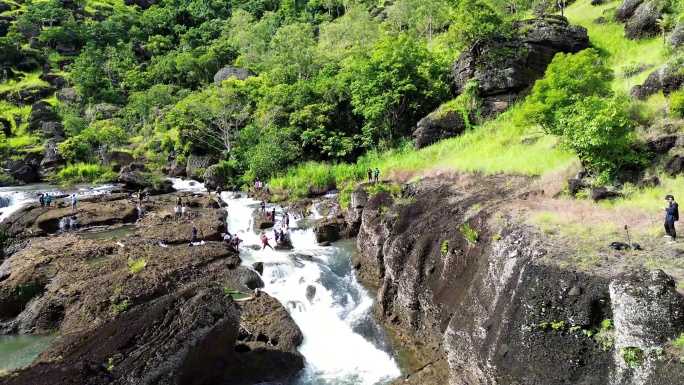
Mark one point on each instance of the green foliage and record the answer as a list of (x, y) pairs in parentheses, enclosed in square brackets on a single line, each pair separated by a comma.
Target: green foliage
[(137, 266), (632, 356), (396, 190), (496, 237), (677, 104), (445, 247), (76, 150), (476, 23), (107, 177), (120, 307), (376, 188), (606, 324), (560, 325), (469, 233), (5, 178), (80, 173), (153, 179)]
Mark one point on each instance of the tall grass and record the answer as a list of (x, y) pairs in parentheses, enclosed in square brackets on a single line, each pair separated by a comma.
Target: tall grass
[(30, 80), (615, 48), (80, 173)]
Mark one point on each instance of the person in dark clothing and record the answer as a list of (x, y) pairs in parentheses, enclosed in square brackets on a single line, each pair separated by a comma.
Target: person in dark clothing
[(218, 191), (263, 207), (273, 215), (41, 199), (671, 216), (370, 175), (179, 201), (377, 173), (194, 234), (276, 235)]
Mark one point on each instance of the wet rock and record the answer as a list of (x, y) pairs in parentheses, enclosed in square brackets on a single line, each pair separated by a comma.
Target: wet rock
[(284, 243), (120, 158), (603, 193), (21, 171), (246, 277), (228, 72), (310, 292), (260, 221), (134, 178), (644, 21), (67, 96), (213, 177), (627, 9), (258, 267), (198, 162), (209, 228), (667, 79), (677, 36), (437, 126), (328, 230), (325, 244)]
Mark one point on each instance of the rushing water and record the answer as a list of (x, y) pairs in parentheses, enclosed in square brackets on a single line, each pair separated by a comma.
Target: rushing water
[(19, 350), (342, 343)]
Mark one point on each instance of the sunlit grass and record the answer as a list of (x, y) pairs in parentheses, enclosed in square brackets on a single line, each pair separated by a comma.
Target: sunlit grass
[(23, 141), (80, 173), (29, 80)]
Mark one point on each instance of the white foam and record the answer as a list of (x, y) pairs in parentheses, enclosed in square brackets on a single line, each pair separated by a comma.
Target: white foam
[(334, 353), (188, 185)]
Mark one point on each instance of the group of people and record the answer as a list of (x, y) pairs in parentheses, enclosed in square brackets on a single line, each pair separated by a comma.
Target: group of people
[(231, 240), (143, 195), (371, 173), (180, 212), (259, 186), (46, 201)]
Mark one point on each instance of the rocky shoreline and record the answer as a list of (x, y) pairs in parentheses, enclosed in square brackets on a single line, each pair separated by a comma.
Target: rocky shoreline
[(144, 308)]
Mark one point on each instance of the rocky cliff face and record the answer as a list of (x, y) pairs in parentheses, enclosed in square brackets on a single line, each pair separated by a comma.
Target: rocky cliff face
[(472, 295)]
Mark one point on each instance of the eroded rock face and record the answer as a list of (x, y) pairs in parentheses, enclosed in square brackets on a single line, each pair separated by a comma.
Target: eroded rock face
[(52, 160), (119, 158), (627, 9), (228, 72), (667, 79), (531, 51), (438, 126), (644, 22), (197, 162), (677, 36), (174, 169)]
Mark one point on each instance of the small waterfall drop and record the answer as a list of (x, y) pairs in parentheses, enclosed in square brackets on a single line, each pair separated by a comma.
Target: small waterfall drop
[(5, 201), (68, 224)]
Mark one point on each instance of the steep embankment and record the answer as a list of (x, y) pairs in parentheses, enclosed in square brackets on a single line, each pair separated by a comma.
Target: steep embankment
[(472, 293)]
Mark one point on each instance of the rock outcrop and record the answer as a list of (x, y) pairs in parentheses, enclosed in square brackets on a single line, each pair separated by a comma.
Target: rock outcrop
[(437, 126), (52, 160), (135, 176), (119, 158), (483, 305), (228, 72), (196, 163), (667, 79), (644, 21), (526, 58), (677, 36)]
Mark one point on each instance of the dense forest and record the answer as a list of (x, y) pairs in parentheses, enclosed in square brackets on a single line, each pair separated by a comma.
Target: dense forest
[(262, 85)]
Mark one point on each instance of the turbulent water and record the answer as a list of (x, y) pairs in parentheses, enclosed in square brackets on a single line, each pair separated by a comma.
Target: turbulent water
[(342, 344)]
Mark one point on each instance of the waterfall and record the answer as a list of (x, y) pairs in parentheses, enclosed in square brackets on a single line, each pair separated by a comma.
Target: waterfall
[(5, 201), (68, 223)]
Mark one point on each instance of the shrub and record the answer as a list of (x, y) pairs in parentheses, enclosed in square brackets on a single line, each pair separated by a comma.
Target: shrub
[(120, 307), (75, 150), (137, 266), (376, 188), (5, 179), (107, 177), (633, 356), (677, 104), (445, 247), (469, 234), (79, 173)]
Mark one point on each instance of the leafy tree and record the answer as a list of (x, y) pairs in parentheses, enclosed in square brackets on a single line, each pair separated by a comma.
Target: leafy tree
[(393, 86), (47, 13), (351, 33), (109, 133), (665, 23), (600, 132), (76, 149), (568, 79), (99, 74), (476, 23), (293, 53)]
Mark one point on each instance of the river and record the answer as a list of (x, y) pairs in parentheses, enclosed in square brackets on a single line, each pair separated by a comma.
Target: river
[(342, 343)]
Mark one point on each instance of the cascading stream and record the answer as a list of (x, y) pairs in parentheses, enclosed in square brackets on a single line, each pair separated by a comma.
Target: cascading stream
[(342, 343)]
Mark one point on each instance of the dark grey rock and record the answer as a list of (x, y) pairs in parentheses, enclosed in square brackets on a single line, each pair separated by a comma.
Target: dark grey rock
[(52, 160), (627, 9), (228, 72), (677, 36), (119, 158), (196, 162), (52, 129), (575, 291), (603, 193), (438, 126), (174, 169), (67, 95), (310, 292), (667, 79), (6, 127), (662, 144), (258, 267), (22, 172), (644, 21), (674, 166), (576, 185)]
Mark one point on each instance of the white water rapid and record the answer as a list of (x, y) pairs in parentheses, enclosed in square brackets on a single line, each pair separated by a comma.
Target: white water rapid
[(342, 344)]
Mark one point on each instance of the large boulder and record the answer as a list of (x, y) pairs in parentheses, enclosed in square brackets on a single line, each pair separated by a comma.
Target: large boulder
[(4, 7), (228, 72), (209, 228), (52, 129), (67, 95), (627, 9), (677, 36), (6, 127), (27, 95), (667, 79), (260, 221), (437, 126), (33, 159), (531, 50), (661, 145), (54, 80), (119, 158), (198, 162), (674, 166), (644, 21), (40, 112), (174, 169), (213, 177), (52, 160), (21, 171)]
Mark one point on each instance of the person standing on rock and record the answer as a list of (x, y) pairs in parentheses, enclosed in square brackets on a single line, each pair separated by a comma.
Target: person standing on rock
[(218, 191), (179, 201), (176, 213), (194, 234), (273, 215), (268, 189), (377, 173), (74, 200), (48, 199), (671, 216), (41, 199), (184, 211), (264, 243), (370, 175), (287, 221), (263, 207)]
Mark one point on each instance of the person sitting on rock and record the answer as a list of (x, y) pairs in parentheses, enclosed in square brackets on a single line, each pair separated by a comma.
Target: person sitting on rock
[(264, 243), (194, 234)]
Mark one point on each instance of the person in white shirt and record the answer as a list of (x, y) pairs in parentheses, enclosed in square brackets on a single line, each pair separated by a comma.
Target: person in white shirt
[(184, 211), (176, 213)]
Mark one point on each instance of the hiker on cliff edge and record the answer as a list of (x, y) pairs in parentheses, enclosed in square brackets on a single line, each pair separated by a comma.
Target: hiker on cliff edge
[(377, 173), (370, 175), (671, 216)]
